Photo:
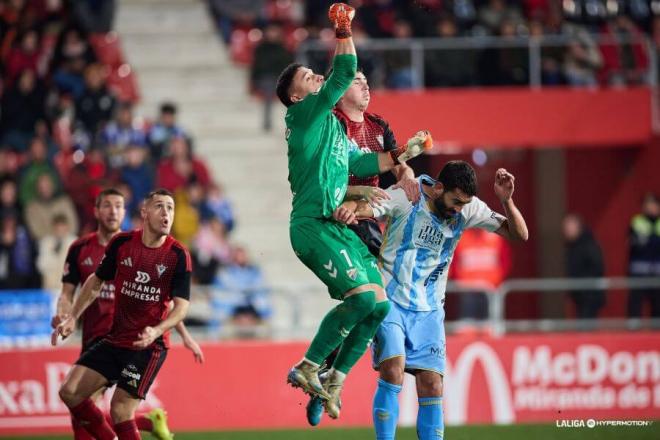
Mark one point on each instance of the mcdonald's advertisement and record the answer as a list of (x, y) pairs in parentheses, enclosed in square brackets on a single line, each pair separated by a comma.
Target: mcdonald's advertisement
[(512, 379)]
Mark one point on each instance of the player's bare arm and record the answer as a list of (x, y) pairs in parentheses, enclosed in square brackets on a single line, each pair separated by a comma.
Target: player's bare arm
[(351, 211), (189, 342), (64, 304), (176, 315), (514, 227), (90, 290), (405, 179), (373, 194)]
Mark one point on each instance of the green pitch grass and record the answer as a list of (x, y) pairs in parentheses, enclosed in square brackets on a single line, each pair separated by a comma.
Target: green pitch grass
[(511, 432)]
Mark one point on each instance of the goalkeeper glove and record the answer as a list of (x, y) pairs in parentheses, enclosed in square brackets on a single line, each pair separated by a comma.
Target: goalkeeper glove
[(416, 145), (340, 15)]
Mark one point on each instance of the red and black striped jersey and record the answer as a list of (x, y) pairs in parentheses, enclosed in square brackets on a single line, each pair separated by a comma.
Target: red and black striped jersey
[(82, 259), (146, 279), (372, 135)]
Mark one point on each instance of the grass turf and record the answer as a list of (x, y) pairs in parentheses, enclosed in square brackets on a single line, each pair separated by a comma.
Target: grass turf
[(484, 432)]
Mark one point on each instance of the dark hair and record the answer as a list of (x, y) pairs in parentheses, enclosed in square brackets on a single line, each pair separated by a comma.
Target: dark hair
[(158, 192), (107, 192), (168, 108), (60, 219), (458, 174), (284, 83)]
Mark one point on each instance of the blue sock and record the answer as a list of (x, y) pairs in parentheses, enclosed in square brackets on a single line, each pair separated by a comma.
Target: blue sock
[(386, 410), (430, 425)]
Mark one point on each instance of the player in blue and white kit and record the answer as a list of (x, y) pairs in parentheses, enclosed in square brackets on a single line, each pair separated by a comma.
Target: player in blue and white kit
[(417, 250)]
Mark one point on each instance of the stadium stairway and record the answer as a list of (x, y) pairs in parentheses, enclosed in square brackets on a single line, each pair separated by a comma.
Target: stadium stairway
[(177, 55)]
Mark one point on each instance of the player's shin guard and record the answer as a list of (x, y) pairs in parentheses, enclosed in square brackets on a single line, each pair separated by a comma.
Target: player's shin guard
[(92, 419), (338, 323), (79, 431), (386, 410), (358, 340), (127, 430), (430, 424)]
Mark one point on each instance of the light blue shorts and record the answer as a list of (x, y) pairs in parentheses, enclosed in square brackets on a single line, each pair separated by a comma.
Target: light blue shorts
[(417, 336)]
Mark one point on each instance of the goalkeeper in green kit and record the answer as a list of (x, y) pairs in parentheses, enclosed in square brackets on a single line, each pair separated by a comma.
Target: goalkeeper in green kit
[(320, 159)]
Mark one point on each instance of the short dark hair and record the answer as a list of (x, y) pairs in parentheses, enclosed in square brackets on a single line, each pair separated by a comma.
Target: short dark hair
[(107, 192), (458, 174), (168, 108), (284, 83), (158, 192)]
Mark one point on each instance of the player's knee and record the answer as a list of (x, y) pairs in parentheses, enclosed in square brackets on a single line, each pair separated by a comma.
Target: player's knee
[(68, 395), (429, 385), (362, 303), (391, 373)]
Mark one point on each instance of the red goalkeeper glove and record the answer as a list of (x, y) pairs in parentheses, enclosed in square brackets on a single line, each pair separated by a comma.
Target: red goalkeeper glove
[(341, 15)]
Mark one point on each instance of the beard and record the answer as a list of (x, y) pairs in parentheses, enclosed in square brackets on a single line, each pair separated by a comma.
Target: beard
[(442, 210)]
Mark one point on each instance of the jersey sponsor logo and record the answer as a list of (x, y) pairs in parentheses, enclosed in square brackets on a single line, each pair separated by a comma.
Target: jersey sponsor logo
[(429, 237), (107, 291), (142, 277), (160, 268), (88, 262), (127, 262), (140, 291)]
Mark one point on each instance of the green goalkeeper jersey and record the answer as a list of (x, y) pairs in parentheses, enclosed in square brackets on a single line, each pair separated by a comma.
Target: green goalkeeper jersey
[(320, 154)]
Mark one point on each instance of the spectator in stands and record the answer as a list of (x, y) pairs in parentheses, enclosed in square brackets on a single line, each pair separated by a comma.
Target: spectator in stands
[(72, 44), (138, 174), (626, 62), (507, 65), (17, 256), (582, 59), (96, 104), (250, 298), (584, 259), (22, 107), (644, 255), (95, 15), (37, 164), (52, 252), (39, 212), (449, 67), (211, 250), (217, 205), (69, 77), (237, 13), (120, 133), (496, 12), (25, 56), (398, 65), (181, 168), (270, 58), (188, 201), (482, 259), (162, 132), (9, 205)]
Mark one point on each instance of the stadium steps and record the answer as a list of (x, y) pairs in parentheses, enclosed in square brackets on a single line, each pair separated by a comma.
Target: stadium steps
[(174, 49)]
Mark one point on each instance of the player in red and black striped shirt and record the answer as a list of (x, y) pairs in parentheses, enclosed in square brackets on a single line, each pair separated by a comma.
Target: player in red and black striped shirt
[(150, 270), (82, 259)]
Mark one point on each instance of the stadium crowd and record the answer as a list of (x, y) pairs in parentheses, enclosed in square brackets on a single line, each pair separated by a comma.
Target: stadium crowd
[(68, 130), (579, 59)]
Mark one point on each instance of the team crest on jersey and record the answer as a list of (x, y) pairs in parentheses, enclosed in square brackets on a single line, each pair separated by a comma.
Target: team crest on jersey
[(160, 268), (379, 138), (352, 273)]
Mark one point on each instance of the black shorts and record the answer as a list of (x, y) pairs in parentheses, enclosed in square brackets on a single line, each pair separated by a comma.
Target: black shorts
[(132, 370), (89, 345), (369, 232)]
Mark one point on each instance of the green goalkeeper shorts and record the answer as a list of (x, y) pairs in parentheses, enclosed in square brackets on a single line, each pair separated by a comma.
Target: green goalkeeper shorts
[(335, 254)]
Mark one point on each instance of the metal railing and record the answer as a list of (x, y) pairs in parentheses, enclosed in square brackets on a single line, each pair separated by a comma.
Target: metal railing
[(418, 50), (299, 309)]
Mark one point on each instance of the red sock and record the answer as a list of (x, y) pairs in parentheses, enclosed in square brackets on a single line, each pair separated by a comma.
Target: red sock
[(127, 430), (79, 432), (91, 418), (143, 423)]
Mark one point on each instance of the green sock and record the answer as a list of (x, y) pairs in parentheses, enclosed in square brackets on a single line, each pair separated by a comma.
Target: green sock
[(338, 323), (358, 340)]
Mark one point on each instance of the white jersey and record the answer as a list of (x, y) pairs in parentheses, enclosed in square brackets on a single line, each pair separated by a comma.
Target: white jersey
[(418, 246)]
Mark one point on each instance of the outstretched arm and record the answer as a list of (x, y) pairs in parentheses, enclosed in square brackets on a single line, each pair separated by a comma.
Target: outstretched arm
[(189, 342), (89, 292), (514, 227)]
